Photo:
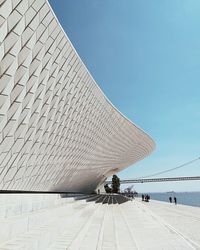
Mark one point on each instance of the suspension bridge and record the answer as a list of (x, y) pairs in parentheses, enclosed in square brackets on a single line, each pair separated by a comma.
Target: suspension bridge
[(146, 179)]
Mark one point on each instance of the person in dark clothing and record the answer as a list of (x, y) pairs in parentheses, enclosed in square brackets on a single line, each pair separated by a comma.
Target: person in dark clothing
[(142, 197), (175, 200), (147, 198), (170, 199)]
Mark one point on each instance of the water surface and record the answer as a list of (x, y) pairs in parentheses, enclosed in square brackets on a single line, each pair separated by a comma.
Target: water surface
[(185, 198)]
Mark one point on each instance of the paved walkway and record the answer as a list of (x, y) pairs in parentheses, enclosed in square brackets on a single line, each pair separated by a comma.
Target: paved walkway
[(180, 219), (95, 226)]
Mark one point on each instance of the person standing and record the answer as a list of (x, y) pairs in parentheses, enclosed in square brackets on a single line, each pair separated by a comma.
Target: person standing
[(175, 200), (170, 199)]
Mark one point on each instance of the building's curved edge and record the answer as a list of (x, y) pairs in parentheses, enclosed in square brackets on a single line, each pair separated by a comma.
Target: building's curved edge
[(107, 154), (151, 141), (110, 103)]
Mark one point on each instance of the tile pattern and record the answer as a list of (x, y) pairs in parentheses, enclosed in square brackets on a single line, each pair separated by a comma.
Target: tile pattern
[(57, 129)]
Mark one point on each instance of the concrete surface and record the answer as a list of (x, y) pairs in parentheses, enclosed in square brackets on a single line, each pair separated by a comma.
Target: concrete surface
[(77, 224)]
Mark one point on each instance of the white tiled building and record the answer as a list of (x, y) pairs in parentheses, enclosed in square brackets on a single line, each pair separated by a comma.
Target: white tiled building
[(58, 131)]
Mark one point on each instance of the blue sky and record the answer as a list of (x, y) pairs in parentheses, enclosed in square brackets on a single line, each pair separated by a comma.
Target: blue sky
[(145, 56)]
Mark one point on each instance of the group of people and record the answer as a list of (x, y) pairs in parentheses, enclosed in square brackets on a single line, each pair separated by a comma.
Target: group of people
[(145, 197), (175, 200)]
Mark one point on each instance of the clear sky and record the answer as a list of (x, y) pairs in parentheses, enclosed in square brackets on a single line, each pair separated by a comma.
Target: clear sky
[(145, 56)]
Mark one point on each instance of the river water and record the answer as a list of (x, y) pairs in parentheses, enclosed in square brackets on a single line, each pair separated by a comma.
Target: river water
[(185, 198)]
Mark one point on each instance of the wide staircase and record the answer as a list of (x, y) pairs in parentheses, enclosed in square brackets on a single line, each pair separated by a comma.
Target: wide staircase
[(39, 222)]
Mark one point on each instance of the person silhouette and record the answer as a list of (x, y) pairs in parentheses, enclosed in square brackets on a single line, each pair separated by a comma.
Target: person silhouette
[(170, 199), (175, 200), (142, 197)]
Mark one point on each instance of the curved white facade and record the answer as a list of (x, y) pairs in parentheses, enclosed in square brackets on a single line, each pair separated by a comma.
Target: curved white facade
[(57, 129)]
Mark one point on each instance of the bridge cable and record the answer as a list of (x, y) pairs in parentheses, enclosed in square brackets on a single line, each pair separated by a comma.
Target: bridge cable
[(171, 169)]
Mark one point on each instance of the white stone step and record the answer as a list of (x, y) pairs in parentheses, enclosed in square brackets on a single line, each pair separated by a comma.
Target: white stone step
[(93, 235), (124, 237), (16, 225), (92, 226), (148, 231), (109, 237), (75, 230), (16, 204), (41, 237)]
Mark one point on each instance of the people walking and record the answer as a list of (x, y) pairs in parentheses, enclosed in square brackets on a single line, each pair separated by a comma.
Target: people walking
[(170, 199), (175, 200)]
